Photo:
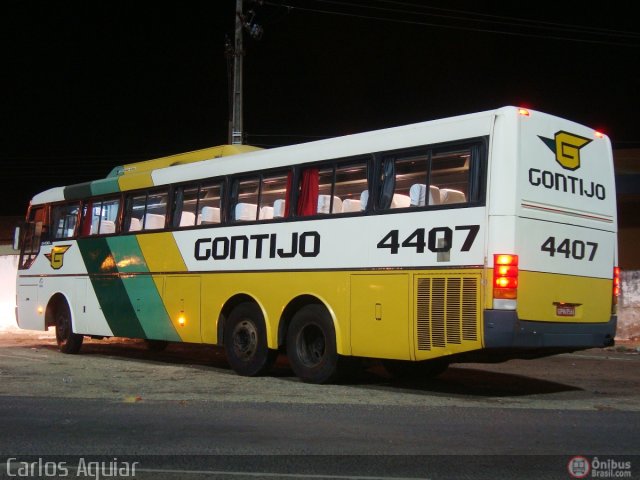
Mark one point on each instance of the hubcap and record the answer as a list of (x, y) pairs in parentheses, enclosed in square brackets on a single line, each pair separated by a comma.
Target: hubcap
[(245, 340), (311, 345)]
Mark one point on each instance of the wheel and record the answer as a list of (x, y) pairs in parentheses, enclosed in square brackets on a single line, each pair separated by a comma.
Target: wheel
[(68, 342), (418, 370), (311, 346), (156, 345), (245, 341)]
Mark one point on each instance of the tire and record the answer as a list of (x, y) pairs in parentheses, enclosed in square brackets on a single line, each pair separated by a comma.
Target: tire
[(245, 341), (311, 346), (156, 345), (68, 342), (425, 369)]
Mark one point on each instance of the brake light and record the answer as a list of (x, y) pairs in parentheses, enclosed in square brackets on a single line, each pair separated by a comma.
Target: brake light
[(616, 284), (505, 276)]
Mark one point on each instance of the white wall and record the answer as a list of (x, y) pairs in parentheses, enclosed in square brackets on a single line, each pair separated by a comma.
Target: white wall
[(629, 306), (8, 269)]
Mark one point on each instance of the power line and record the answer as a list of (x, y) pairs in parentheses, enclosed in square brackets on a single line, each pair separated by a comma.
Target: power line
[(509, 20), (466, 28)]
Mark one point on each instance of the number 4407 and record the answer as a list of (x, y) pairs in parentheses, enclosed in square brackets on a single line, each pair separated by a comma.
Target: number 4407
[(576, 249)]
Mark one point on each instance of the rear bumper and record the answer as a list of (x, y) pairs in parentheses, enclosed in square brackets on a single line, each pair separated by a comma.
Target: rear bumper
[(503, 329)]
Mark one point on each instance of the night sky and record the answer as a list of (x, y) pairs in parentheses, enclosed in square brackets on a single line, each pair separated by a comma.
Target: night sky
[(88, 85)]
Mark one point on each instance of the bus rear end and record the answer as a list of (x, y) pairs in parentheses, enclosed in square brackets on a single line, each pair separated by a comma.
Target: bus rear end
[(552, 249)]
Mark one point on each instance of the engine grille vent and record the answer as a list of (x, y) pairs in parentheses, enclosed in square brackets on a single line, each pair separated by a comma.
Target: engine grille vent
[(447, 310)]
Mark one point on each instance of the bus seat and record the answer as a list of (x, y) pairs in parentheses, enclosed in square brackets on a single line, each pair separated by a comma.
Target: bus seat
[(324, 201), (364, 198), (417, 193), (400, 201), (266, 213), (246, 212), (209, 215), (434, 195), (153, 221), (187, 219), (278, 208), (107, 226), (135, 224), (350, 205), (448, 195)]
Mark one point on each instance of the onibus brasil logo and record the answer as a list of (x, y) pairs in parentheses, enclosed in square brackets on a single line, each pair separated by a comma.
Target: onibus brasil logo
[(567, 147), (56, 256)]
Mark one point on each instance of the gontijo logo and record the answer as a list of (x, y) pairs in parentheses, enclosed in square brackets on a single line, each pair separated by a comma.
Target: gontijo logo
[(567, 147), (56, 256)]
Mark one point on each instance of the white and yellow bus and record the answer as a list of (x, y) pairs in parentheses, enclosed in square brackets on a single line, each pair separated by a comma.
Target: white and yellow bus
[(482, 237)]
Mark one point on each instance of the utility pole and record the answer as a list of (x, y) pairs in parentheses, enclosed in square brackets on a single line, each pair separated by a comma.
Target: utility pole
[(235, 124)]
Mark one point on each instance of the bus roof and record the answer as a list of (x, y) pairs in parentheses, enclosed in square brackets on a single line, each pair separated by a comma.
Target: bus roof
[(213, 161)]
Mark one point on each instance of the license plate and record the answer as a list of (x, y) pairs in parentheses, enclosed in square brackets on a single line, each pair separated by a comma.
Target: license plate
[(566, 310)]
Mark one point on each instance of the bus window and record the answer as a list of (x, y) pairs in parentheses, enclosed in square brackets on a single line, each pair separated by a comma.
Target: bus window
[(260, 198), (429, 177), (196, 205), (146, 211), (341, 187), (246, 195), (64, 219), (100, 217), (208, 210), (156, 211), (351, 181), (450, 174), (34, 234), (273, 193)]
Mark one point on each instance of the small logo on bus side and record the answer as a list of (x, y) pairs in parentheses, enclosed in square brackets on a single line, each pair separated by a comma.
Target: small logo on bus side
[(567, 147), (56, 256)]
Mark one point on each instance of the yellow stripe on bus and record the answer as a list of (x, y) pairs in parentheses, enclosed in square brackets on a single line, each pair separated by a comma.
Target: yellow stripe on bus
[(180, 293)]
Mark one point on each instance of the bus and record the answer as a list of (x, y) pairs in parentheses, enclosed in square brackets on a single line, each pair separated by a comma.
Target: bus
[(482, 237)]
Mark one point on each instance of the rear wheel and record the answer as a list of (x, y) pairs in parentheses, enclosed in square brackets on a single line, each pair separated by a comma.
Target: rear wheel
[(245, 341), (311, 346), (68, 342)]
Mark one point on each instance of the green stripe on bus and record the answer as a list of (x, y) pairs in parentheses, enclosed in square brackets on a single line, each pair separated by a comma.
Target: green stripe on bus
[(111, 293), (141, 289), (105, 186), (78, 191)]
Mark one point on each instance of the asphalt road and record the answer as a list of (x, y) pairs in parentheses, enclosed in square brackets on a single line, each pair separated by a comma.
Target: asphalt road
[(183, 414)]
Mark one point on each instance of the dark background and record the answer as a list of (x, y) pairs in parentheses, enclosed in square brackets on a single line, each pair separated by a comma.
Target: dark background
[(88, 85)]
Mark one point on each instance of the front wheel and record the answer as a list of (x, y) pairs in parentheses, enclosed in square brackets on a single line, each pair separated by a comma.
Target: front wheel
[(311, 346), (245, 341), (68, 342)]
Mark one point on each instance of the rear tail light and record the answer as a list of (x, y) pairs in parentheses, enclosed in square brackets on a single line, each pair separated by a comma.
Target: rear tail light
[(505, 276), (616, 285)]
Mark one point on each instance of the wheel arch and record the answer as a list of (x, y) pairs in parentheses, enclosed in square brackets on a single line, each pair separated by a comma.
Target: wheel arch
[(56, 300), (227, 308), (296, 304)]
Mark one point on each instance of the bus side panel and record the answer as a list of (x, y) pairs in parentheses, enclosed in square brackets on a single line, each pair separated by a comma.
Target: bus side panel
[(27, 316)]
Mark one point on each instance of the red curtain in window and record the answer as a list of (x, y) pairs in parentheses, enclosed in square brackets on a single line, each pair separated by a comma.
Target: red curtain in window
[(86, 219), (308, 198)]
